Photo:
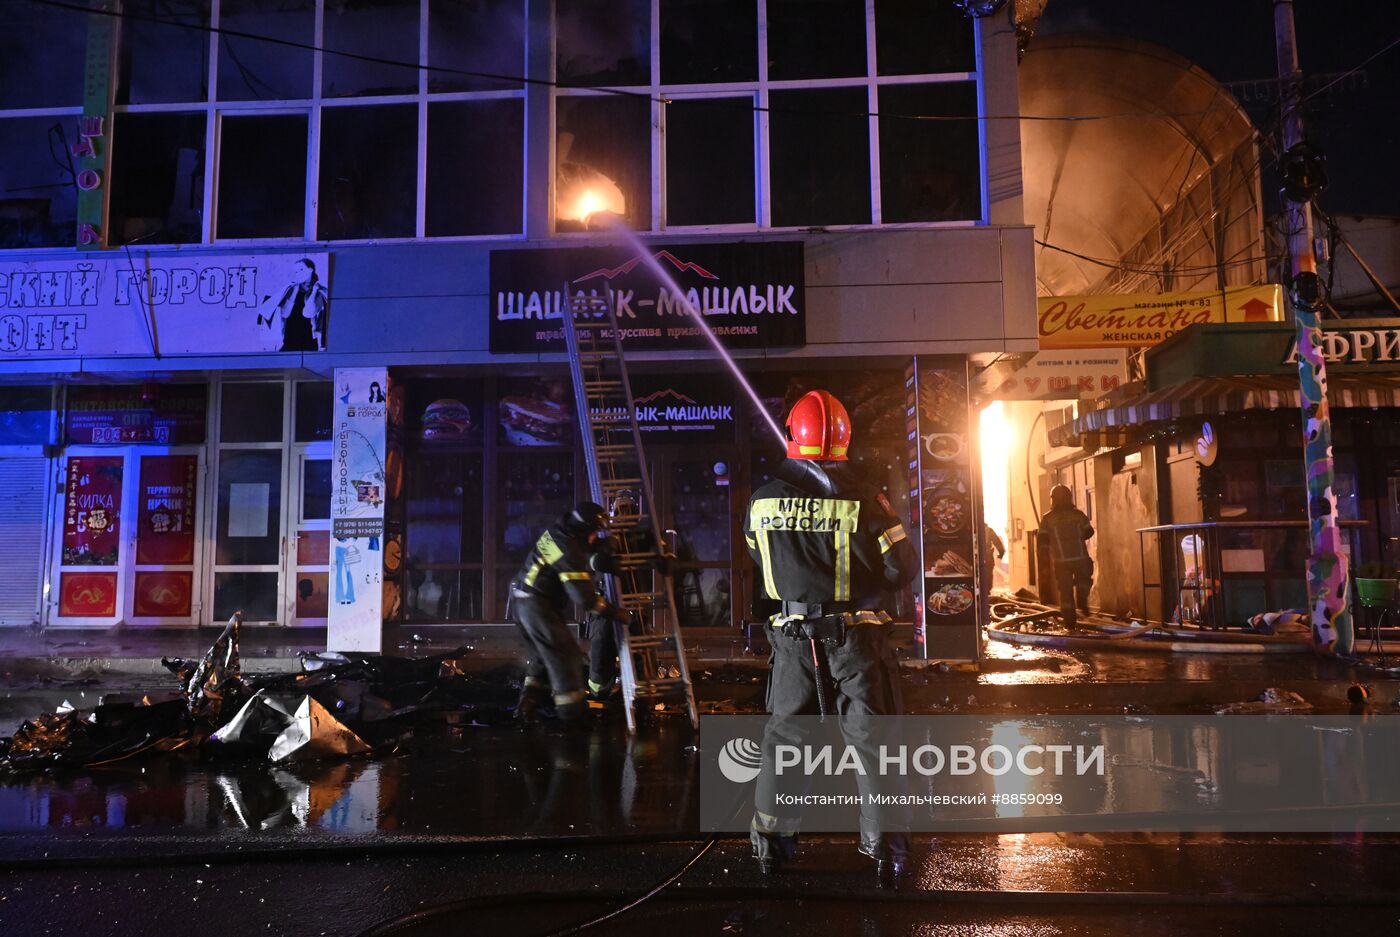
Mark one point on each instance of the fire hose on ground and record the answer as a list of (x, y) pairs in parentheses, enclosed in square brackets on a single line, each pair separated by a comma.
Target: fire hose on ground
[(1013, 622)]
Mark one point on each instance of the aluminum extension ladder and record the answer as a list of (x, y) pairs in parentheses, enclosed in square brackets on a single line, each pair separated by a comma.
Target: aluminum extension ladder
[(650, 653)]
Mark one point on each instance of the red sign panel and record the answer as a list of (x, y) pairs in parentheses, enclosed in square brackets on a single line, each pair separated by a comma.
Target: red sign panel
[(163, 594), (87, 595), (92, 510), (165, 510)]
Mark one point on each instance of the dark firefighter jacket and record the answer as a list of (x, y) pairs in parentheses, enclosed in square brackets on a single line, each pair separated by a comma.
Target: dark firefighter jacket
[(824, 538), (557, 570), (1066, 528)]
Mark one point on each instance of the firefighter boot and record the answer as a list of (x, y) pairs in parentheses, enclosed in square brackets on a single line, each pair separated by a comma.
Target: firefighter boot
[(891, 854), (600, 694), (533, 695), (571, 708), (772, 850)]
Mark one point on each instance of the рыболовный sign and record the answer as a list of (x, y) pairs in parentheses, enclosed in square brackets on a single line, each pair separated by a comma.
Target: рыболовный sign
[(751, 295)]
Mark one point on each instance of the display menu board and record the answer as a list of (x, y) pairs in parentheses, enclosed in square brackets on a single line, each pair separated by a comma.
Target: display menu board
[(945, 499)]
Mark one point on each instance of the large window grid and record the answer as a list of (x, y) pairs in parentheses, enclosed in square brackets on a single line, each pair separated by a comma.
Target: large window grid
[(224, 99), (762, 91), (221, 100)]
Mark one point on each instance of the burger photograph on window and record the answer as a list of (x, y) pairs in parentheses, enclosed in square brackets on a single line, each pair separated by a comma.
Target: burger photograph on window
[(535, 412), (448, 422)]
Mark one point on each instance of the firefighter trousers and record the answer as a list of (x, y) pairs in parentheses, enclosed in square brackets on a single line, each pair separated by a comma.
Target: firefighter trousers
[(862, 684), (1073, 579), (604, 644), (555, 658)]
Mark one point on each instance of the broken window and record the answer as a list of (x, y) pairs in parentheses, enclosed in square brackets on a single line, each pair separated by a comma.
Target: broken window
[(819, 144), (157, 179), (603, 42), (476, 156), (604, 161), (929, 169), (38, 195), (251, 70), (262, 176), (369, 172), (710, 161)]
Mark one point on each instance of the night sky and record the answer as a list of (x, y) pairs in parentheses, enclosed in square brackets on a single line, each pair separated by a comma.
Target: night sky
[(1233, 40)]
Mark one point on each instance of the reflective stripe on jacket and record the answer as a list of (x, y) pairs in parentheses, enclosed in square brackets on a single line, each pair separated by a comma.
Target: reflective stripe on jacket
[(842, 547), (557, 569)]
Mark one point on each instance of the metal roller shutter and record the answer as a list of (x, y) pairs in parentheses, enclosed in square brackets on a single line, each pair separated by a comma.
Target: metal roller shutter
[(24, 496)]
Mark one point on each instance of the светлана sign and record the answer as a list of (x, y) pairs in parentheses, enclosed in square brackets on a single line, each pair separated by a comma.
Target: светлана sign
[(750, 294)]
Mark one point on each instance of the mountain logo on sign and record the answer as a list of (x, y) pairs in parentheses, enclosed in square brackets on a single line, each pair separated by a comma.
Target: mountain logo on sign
[(608, 273), (664, 394)]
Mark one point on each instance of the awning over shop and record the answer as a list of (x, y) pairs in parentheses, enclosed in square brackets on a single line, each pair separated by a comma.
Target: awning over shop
[(1121, 425)]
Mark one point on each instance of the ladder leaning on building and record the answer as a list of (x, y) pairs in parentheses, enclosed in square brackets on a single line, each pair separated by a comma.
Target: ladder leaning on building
[(651, 654)]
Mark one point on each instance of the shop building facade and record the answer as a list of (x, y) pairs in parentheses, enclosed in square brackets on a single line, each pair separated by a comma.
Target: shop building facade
[(268, 223), (1199, 478)]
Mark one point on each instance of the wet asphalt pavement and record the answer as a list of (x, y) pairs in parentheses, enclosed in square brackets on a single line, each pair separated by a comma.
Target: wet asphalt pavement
[(1035, 884), (526, 832)]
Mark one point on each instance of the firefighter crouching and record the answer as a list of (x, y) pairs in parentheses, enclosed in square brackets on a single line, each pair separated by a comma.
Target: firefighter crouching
[(556, 571), (828, 548)]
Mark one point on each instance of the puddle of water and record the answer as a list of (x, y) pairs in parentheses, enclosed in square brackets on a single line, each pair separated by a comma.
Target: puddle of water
[(480, 781)]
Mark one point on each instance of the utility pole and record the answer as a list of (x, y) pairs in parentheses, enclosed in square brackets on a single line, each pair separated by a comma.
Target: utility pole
[(1328, 585)]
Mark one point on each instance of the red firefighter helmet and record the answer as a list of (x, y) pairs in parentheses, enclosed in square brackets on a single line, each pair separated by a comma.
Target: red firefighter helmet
[(818, 428)]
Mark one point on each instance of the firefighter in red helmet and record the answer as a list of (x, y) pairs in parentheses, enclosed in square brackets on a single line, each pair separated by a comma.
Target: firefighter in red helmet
[(829, 548)]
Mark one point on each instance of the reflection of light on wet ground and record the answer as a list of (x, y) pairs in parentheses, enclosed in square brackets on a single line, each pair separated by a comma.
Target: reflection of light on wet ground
[(1284, 864), (1013, 665), (481, 782), (1012, 738)]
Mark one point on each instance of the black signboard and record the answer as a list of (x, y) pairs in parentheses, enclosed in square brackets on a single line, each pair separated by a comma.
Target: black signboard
[(684, 409), (749, 294), (170, 414)]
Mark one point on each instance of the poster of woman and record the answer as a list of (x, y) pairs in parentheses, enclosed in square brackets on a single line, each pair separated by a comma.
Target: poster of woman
[(296, 316)]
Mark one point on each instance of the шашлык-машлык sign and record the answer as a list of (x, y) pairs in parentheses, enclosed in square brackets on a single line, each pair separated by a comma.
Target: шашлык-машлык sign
[(750, 295)]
